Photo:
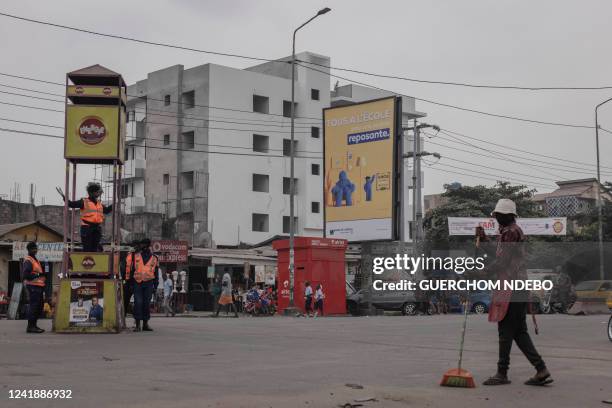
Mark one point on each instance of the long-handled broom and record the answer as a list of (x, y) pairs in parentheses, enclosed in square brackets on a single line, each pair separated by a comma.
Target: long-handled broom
[(458, 377)]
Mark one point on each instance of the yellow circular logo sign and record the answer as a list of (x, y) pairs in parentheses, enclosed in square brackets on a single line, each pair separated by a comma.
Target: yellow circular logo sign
[(92, 130)]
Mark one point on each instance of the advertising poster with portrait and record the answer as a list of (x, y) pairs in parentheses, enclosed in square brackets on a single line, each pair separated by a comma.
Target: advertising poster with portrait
[(359, 177), (86, 303)]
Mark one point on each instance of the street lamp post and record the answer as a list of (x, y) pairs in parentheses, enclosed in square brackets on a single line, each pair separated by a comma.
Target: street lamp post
[(291, 308), (599, 204)]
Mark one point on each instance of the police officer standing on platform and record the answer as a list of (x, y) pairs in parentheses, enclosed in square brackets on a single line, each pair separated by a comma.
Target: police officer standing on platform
[(35, 282), (146, 270), (92, 216)]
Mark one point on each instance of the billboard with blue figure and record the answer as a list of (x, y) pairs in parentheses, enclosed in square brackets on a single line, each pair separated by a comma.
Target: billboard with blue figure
[(359, 169)]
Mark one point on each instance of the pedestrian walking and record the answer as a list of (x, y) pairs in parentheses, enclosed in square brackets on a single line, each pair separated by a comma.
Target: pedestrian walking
[(35, 282), (92, 216), (319, 296), (168, 286), (145, 281), (308, 299), (226, 298), (509, 308)]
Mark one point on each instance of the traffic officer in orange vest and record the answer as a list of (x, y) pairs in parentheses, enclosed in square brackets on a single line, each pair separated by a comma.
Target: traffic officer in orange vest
[(128, 275), (146, 272), (92, 216), (35, 282)]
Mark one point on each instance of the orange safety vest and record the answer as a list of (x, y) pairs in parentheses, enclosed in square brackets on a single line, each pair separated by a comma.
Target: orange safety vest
[(144, 272), (36, 268), (129, 264), (92, 213)]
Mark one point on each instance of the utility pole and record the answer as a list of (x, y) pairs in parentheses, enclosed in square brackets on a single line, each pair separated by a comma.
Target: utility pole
[(291, 307), (599, 203), (416, 154)]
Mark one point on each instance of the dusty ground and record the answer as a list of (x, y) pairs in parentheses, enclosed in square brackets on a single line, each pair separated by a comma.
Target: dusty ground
[(291, 362)]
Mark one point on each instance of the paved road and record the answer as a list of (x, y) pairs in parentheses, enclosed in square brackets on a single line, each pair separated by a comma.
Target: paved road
[(293, 362)]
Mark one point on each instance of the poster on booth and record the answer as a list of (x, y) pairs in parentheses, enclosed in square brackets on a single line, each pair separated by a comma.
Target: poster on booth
[(86, 303), (530, 226), (359, 148)]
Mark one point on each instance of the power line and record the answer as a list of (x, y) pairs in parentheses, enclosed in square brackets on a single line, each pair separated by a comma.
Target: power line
[(168, 148), (501, 178), (260, 59), (555, 166), (464, 84), (520, 150), (496, 115), (470, 175), (148, 98)]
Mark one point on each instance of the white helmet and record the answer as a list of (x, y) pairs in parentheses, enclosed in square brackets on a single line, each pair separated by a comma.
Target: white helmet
[(505, 206)]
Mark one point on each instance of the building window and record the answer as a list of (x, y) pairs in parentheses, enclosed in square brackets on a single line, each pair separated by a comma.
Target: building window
[(127, 154), (187, 180), (166, 179), (287, 185), (261, 143), (260, 222), (188, 99), (261, 104), (314, 207), (130, 116), (261, 183), (188, 142), (286, 224), (314, 132), (166, 140), (125, 188), (314, 94), (287, 147), (314, 169), (287, 108), (166, 100)]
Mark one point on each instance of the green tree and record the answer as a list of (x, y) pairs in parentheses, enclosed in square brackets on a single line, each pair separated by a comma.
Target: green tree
[(472, 201)]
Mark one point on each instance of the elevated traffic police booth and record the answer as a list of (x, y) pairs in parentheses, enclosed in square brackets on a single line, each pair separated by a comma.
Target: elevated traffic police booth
[(90, 296)]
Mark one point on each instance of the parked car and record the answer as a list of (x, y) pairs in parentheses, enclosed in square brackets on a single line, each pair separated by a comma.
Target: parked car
[(594, 291), (404, 301), (480, 302)]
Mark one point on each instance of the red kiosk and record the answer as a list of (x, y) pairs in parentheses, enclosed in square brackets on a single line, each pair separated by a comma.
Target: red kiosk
[(317, 260)]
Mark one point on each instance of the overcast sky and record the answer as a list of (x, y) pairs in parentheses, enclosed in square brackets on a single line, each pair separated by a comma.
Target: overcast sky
[(525, 43)]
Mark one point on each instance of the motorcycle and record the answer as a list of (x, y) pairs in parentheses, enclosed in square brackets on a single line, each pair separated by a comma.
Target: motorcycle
[(552, 303), (257, 304)]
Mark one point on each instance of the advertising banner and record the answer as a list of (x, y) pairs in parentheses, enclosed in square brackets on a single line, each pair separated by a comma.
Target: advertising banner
[(92, 133), (86, 303), (359, 148), (47, 251), (171, 251), (530, 226)]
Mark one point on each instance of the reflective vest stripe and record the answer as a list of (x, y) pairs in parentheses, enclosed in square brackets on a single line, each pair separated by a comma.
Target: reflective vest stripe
[(36, 268)]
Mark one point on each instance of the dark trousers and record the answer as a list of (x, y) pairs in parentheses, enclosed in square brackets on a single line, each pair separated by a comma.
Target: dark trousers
[(128, 290), (514, 328), (35, 294), (142, 300), (90, 237)]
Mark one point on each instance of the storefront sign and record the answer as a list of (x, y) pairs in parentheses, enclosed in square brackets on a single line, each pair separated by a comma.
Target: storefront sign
[(530, 226), (47, 251), (171, 251)]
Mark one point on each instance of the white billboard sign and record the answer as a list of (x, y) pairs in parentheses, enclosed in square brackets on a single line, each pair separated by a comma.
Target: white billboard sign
[(530, 226)]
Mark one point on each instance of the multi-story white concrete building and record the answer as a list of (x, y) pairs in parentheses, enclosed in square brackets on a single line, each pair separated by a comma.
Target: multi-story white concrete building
[(214, 141)]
